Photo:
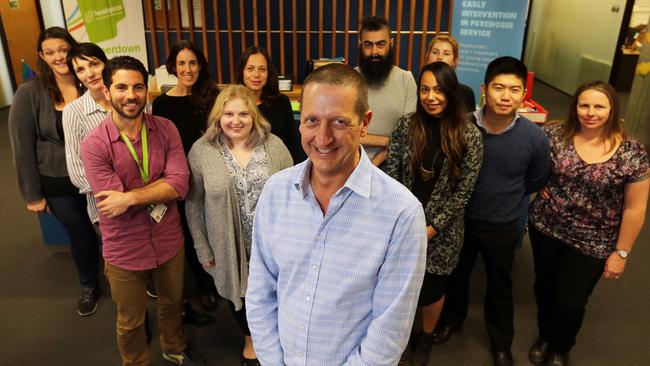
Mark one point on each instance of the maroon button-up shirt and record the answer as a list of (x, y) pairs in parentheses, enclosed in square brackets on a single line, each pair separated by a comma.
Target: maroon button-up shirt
[(133, 240)]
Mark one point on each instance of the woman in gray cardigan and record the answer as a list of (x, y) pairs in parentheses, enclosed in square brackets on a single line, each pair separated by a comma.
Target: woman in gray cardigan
[(37, 143), (229, 166)]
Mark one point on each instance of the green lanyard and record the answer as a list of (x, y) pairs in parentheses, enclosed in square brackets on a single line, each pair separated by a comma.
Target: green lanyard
[(144, 167)]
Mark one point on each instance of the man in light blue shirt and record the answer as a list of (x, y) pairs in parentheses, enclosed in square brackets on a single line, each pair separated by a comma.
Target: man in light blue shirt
[(338, 247)]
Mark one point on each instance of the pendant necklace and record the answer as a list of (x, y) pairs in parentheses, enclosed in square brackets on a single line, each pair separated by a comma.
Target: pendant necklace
[(428, 174)]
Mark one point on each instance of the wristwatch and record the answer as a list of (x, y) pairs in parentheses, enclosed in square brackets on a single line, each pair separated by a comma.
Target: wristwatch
[(622, 253)]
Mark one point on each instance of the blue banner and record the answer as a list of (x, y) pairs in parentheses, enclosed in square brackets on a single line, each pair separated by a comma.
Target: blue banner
[(486, 30)]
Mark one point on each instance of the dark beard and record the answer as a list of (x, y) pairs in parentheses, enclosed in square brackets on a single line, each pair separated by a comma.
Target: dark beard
[(376, 70)]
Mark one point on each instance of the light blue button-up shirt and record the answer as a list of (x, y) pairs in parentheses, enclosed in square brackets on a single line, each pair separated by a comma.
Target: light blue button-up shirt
[(339, 288)]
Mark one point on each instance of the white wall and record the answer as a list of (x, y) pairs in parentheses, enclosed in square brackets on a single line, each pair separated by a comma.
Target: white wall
[(563, 34), (52, 13), (6, 91)]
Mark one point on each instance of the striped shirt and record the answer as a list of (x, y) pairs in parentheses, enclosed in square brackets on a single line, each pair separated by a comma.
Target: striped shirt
[(79, 118), (339, 288)]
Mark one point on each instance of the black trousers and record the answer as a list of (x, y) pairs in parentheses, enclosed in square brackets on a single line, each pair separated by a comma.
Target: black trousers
[(204, 281), (564, 280), (240, 317), (496, 244)]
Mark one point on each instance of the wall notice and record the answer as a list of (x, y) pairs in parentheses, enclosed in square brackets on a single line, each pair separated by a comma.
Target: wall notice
[(486, 30)]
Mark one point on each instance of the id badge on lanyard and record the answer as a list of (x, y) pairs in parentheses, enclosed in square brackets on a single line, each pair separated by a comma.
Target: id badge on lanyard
[(155, 211)]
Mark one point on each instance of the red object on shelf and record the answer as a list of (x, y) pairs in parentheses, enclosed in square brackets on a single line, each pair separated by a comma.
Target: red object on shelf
[(530, 79), (533, 111)]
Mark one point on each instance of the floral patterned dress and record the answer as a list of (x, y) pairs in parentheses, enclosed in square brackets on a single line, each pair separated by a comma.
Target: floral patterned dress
[(248, 182), (586, 204)]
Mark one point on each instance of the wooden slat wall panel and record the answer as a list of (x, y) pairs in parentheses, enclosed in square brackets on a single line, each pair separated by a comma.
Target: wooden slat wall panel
[(242, 25), (217, 41), (294, 38), (177, 14), (346, 47), (268, 27), (409, 62), (204, 26), (190, 18), (320, 28), (423, 41), (165, 27), (281, 9), (303, 15), (398, 30), (256, 40), (152, 26), (333, 28)]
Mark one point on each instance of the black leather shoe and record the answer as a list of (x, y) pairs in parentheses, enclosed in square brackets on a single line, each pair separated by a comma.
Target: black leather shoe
[(557, 360), (191, 316), (443, 333), (502, 358), (538, 352), (209, 301)]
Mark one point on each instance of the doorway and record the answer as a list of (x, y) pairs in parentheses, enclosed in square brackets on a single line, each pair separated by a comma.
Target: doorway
[(21, 24)]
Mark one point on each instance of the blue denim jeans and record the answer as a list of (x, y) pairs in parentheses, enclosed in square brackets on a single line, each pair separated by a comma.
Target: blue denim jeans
[(84, 243)]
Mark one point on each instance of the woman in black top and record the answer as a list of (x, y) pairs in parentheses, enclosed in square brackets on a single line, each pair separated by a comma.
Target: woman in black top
[(188, 105), (37, 142), (437, 154), (257, 73)]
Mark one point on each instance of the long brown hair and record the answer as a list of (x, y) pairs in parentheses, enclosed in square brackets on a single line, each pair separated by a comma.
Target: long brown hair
[(613, 127), (46, 75), (452, 122), (204, 90), (271, 90)]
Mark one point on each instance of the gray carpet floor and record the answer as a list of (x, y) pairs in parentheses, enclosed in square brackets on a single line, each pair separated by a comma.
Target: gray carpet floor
[(38, 294)]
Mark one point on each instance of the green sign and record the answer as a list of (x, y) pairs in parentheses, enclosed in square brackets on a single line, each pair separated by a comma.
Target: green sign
[(101, 17)]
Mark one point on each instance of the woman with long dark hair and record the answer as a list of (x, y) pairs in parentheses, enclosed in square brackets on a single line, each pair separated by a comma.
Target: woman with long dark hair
[(257, 73), (583, 224), (188, 105), (437, 154), (38, 145)]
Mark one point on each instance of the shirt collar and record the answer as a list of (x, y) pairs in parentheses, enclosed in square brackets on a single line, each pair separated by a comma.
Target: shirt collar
[(359, 181), (89, 105), (114, 134), (479, 119)]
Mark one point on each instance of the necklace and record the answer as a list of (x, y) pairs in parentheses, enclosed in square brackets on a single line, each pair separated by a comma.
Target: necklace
[(428, 174)]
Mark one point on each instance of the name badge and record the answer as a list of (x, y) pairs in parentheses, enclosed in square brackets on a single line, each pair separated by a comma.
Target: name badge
[(157, 212)]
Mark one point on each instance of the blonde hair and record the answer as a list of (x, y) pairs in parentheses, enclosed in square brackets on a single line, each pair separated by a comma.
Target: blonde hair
[(443, 38), (261, 127)]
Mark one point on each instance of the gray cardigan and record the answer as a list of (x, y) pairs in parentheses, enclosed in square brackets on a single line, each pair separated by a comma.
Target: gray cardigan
[(36, 145), (212, 211)]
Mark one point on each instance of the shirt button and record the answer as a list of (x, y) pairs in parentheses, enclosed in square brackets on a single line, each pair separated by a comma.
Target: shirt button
[(313, 267), (308, 298), (300, 354), (317, 237), (302, 326)]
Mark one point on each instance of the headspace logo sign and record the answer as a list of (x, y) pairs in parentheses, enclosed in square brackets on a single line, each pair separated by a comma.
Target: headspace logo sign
[(101, 17)]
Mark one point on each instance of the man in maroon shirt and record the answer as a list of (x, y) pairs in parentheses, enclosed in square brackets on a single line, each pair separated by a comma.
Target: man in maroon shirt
[(136, 167)]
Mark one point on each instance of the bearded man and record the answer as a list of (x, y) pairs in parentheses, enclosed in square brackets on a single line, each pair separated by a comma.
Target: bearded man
[(392, 91)]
